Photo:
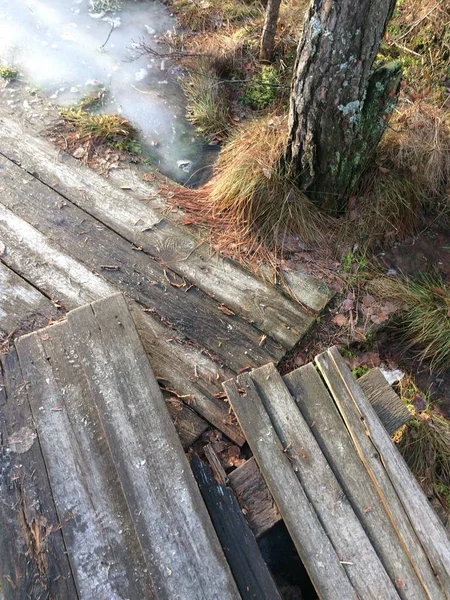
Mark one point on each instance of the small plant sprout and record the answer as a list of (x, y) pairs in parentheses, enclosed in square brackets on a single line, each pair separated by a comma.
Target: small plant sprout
[(8, 73)]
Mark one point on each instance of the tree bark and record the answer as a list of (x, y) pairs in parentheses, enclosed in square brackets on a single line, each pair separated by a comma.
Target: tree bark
[(339, 104), (270, 30)]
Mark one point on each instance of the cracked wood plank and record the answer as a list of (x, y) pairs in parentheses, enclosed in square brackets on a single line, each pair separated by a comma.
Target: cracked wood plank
[(180, 546), (415, 521), (272, 312), (320, 412), (313, 545), (99, 534), (22, 307), (341, 524), (185, 368), (103, 251), (33, 560)]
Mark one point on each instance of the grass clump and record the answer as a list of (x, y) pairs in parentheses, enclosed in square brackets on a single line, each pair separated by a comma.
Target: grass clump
[(250, 204), (98, 128), (201, 15), (104, 5), (425, 446), (9, 73), (93, 101), (424, 322), (207, 102), (263, 88)]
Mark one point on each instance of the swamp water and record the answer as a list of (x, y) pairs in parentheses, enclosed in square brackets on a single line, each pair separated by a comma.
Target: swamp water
[(62, 48)]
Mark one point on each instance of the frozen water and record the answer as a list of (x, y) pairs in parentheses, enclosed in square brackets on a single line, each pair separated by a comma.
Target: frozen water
[(60, 48)]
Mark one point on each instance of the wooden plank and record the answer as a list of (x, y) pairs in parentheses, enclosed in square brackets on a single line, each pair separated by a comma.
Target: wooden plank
[(274, 313), (349, 540), (384, 462), (188, 424), (390, 409), (250, 572), (23, 308), (99, 534), (320, 412), (306, 289), (101, 250), (33, 560), (254, 497), (313, 545), (247, 481), (185, 368), (181, 549)]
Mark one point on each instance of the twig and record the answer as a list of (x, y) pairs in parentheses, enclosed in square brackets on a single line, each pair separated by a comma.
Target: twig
[(109, 35), (414, 25)]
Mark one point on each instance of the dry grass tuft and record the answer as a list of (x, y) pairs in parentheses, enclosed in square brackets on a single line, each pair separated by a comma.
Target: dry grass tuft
[(409, 179), (425, 445), (424, 323), (98, 128), (250, 206), (201, 15)]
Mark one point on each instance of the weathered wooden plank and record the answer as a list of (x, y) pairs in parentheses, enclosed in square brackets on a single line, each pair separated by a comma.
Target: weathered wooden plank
[(98, 531), (102, 250), (384, 462), (33, 560), (390, 409), (313, 545), (306, 289), (361, 562), (320, 412), (189, 424), (185, 368), (250, 572), (254, 497), (247, 481), (274, 313), (181, 549), (22, 307)]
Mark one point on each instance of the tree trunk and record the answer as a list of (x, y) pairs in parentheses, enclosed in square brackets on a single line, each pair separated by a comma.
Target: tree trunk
[(339, 104), (270, 30)]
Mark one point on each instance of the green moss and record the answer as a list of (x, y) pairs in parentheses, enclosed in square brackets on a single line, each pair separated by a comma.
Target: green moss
[(263, 88), (8, 73)]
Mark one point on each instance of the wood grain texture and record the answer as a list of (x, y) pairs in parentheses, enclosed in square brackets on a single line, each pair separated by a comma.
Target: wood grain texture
[(33, 559), (274, 313), (188, 423), (389, 407), (383, 461), (250, 572), (349, 540), (180, 547), (23, 308), (254, 497), (189, 371), (325, 422), (103, 251), (313, 545), (99, 534)]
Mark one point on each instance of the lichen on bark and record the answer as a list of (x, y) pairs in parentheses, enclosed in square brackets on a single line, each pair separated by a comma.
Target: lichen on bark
[(339, 102)]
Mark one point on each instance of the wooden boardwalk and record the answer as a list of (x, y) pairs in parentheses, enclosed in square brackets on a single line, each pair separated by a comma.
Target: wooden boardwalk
[(68, 237), (360, 521)]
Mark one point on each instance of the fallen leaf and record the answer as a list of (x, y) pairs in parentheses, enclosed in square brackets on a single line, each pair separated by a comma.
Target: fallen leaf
[(340, 320)]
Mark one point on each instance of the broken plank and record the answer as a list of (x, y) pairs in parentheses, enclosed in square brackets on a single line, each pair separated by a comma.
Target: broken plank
[(272, 312), (250, 572), (315, 550), (101, 250), (180, 547), (254, 497), (325, 422), (33, 559), (361, 562), (390, 409), (23, 308), (385, 464), (189, 424), (98, 531), (185, 368)]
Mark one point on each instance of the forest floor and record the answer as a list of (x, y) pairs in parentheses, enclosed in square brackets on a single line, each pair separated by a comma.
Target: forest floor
[(387, 259)]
